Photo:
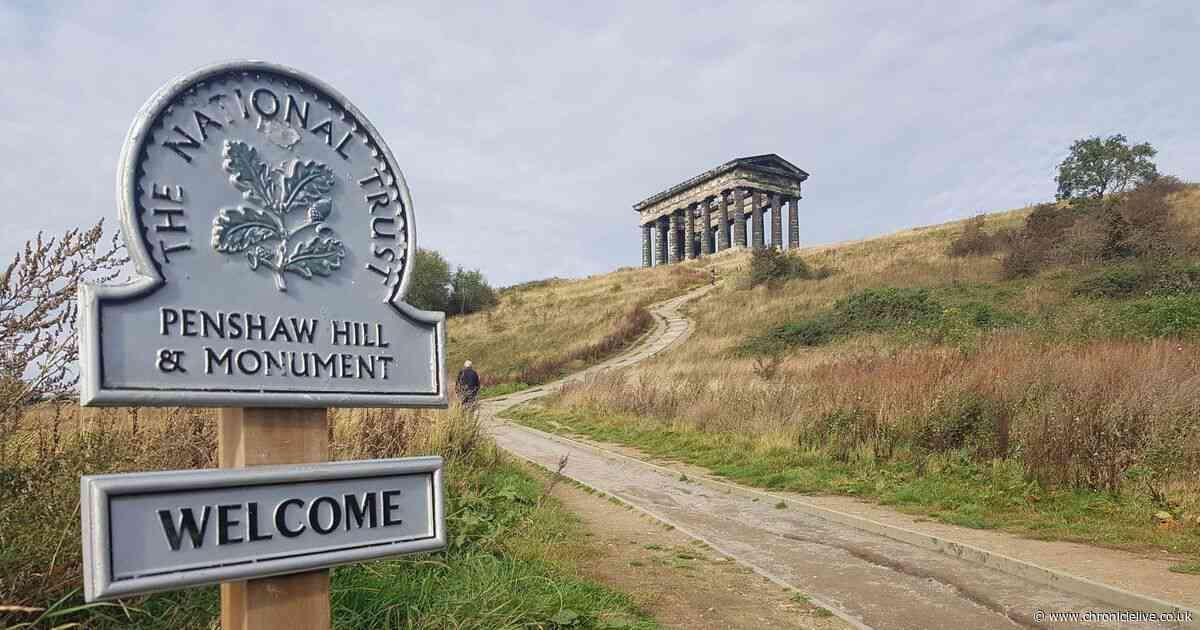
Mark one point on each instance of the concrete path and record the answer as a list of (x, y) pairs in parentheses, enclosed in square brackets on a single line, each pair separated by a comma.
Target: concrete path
[(870, 577)]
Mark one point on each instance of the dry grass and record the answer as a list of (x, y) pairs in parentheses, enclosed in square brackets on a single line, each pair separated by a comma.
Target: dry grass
[(1074, 399), (509, 562), (543, 329)]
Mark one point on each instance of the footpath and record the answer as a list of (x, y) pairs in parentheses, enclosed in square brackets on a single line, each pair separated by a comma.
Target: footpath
[(873, 567)]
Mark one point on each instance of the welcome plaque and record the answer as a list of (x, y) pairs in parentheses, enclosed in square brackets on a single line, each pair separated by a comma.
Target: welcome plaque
[(147, 532), (272, 236)]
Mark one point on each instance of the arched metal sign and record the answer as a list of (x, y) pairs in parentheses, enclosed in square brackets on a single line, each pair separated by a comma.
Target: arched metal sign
[(273, 236)]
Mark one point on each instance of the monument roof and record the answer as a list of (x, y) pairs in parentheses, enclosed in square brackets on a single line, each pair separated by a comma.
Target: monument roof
[(769, 162)]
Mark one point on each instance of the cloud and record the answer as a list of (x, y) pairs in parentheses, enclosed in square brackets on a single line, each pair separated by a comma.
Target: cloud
[(527, 132)]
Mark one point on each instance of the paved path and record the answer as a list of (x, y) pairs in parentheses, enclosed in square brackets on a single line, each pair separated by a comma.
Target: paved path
[(868, 580)]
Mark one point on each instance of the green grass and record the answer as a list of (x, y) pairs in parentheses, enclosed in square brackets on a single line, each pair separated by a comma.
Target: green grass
[(1190, 569), (502, 389), (955, 314), (954, 487), (509, 565)]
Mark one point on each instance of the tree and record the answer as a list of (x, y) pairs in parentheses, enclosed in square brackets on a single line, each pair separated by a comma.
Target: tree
[(429, 286), (1097, 167), (39, 345), (470, 292)]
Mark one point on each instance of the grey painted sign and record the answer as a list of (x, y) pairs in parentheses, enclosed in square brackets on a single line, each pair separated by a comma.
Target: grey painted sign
[(147, 532), (273, 237)]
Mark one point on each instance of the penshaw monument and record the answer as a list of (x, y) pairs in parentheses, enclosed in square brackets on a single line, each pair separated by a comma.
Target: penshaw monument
[(708, 213)]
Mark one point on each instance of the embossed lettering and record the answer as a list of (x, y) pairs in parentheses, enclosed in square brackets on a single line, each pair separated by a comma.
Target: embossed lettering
[(256, 102), (167, 216), (204, 122), (378, 200), (225, 358), (178, 146), (314, 514), (341, 143), (325, 129), (252, 523), (290, 107), (389, 507), (169, 249), (225, 523), (187, 525), (165, 193), (375, 233), (281, 519), (356, 511)]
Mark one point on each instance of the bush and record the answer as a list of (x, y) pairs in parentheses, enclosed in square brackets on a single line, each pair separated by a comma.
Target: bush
[(1035, 245), (879, 309), (965, 422), (769, 265), (805, 333), (1121, 281), (1136, 224), (974, 241)]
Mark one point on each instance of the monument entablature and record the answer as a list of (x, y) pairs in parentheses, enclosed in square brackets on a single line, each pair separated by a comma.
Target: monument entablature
[(708, 213)]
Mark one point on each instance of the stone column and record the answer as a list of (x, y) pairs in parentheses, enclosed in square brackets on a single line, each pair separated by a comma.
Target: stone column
[(706, 240), (723, 228), (647, 249), (776, 221), (673, 238), (663, 228), (689, 228), (756, 218), (794, 223), (739, 217)]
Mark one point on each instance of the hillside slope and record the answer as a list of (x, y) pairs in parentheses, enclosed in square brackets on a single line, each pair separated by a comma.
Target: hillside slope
[(544, 329), (1062, 405)]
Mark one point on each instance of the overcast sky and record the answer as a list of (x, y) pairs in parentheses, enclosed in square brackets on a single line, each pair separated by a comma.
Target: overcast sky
[(528, 131)]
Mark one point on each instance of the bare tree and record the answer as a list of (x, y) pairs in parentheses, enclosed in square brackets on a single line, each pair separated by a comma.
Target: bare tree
[(38, 312)]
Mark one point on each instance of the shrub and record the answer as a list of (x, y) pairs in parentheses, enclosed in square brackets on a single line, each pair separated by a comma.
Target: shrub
[(973, 241), (38, 341), (805, 333), (1120, 281), (1035, 244), (879, 309), (768, 265), (965, 422)]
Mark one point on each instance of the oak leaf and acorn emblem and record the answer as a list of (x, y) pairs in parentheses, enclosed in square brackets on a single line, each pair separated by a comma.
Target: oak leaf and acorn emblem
[(261, 229)]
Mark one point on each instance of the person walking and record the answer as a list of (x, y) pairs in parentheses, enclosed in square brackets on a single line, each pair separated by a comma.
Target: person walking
[(467, 384)]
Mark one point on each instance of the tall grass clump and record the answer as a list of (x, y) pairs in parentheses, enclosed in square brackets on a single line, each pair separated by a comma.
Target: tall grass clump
[(508, 562)]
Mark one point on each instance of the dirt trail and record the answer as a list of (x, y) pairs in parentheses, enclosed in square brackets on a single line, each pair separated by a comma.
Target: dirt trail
[(866, 579)]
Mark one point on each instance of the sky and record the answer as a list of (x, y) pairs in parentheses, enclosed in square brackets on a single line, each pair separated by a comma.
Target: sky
[(527, 131)]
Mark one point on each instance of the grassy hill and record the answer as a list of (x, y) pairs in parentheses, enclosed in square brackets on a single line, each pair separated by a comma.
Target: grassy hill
[(1064, 404), (544, 329)]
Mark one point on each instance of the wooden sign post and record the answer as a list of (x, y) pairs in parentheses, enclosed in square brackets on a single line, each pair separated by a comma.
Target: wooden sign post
[(272, 235), (255, 437)]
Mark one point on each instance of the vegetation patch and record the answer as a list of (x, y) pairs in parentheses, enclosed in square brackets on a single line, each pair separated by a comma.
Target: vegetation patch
[(952, 486), (502, 389), (1161, 279), (1168, 316), (909, 312), (769, 265), (509, 561)]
